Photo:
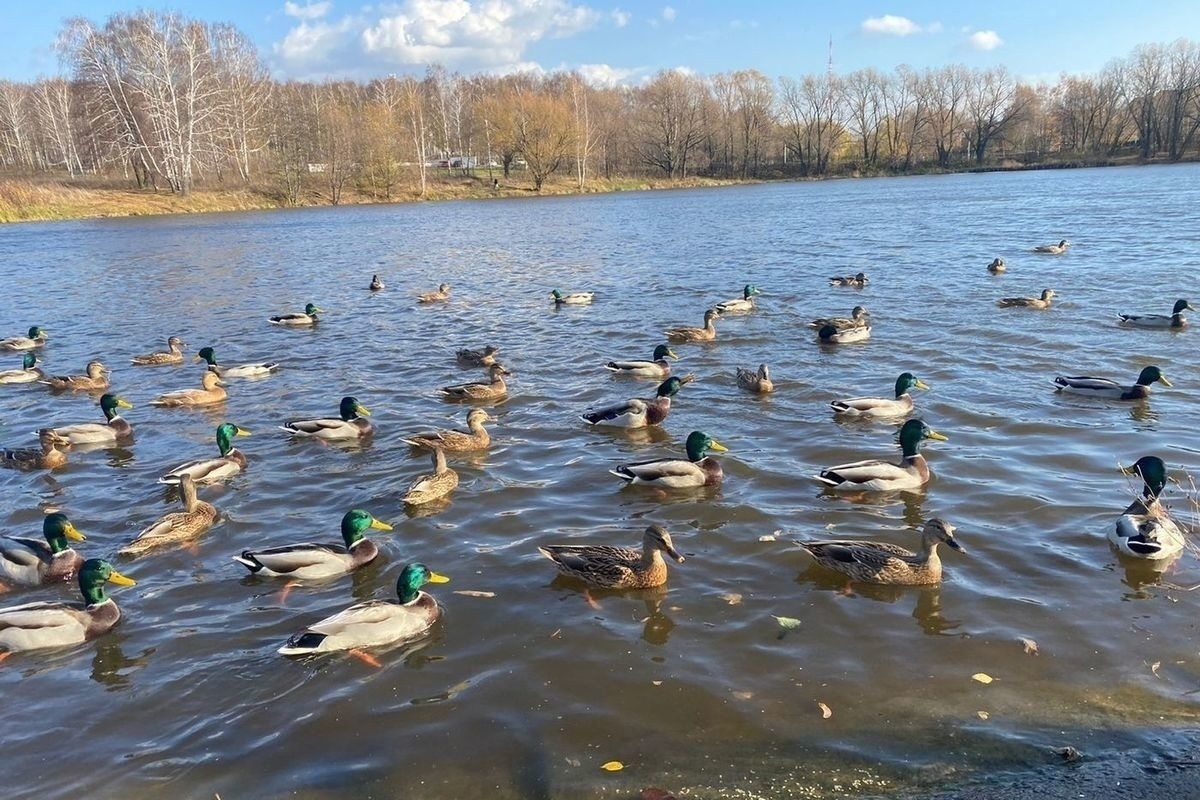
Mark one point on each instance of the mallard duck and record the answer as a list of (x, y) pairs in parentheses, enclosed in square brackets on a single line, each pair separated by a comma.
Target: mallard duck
[(997, 266), (882, 406), (28, 373), (759, 382), (308, 317), (831, 335), (452, 441), (494, 389), (477, 358), (741, 304), (210, 470), (36, 338), (658, 368), (1028, 302), (259, 370), (705, 334), (858, 281), (1175, 320), (100, 432), (351, 424), (881, 476), (312, 560), (212, 391), (442, 293), (180, 526), (1145, 529), (676, 473), (376, 284), (48, 456), (437, 484), (859, 317), (375, 622), (572, 299), (884, 563), (637, 413), (173, 355), (1111, 390), (617, 567), (29, 562), (36, 626), (1053, 249), (95, 380)]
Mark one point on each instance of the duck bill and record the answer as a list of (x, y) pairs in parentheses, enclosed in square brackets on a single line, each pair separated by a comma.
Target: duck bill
[(72, 532), (197, 358), (436, 578), (1130, 470), (718, 447), (675, 554), (920, 384), (242, 432), (379, 525), (123, 403), (954, 543), (366, 412), (671, 354), (121, 580), (937, 437), (1163, 380)]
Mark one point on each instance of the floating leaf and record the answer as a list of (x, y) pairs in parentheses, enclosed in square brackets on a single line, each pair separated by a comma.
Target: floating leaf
[(787, 623), (826, 711), (573, 762), (732, 598), (556, 634), (1154, 668), (1030, 646), (474, 593), (982, 677), (769, 537), (612, 766), (982, 714), (743, 695), (1069, 753), (657, 683)]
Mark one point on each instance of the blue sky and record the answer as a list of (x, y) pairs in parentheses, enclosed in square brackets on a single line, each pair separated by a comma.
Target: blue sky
[(631, 40)]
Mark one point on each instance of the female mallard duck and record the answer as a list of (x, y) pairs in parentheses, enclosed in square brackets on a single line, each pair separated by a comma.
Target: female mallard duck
[(314, 561), (351, 424), (436, 485), (1028, 302), (759, 382), (901, 405), (1111, 390), (210, 470), (113, 430), (28, 373), (442, 294), (376, 284), (307, 317), (997, 266), (1174, 320), (475, 438), (259, 370), (36, 338), (95, 380), (831, 335), (857, 281), (32, 563), (48, 456), (375, 622), (741, 304), (494, 389), (859, 317), (883, 476), (477, 358), (1053, 249), (617, 567), (658, 368), (637, 413), (705, 334), (676, 473), (173, 354), (1145, 529), (212, 391), (572, 299), (884, 563), (180, 526), (35, 626)]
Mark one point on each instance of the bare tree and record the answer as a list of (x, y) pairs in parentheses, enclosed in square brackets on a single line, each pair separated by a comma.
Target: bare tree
[(947, 89), (544, 133), (991, 106), (670, 121), (812, 110), (865, 103)]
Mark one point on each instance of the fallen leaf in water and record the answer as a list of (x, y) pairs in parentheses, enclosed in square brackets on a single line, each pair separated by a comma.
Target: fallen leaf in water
[(787, 623), (656, 794), (474, 593), (591, 601), (826, 711), (1030, 646), (1154, 668), (982, 714), (732, 598), (743, 695), (365, 657), (769, 537), (573, 762), (612, 766), (1068, 753), (982, 677), (556, 634), (286, 590), (657, 683)]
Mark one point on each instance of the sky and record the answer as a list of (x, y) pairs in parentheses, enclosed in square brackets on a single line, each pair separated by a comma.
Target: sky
[(628, 41)]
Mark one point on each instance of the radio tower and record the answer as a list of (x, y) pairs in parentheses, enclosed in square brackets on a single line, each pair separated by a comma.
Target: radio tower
[(829, 67)]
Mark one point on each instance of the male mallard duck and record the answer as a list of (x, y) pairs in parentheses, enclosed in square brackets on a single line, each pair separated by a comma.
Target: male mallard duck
[(442, 293), (858, 281), (831, 335), (208, 356), (36, 338), (1145, 529), (48, 456), (31, 563), (351, 424), (572, 299), (376, 284), (100, 432), (637, 413), (884, 563), (308, 317), (452, 441), (95, 380), (859, 317), (705, 334), (35, 626), (676, 473), (1028, 302), (312, 560), (741, 304), (882, 476), (1175, 320), (997, 266), (212, 391), (617, 567), (882, 406), (180, 526), (437, 484), (1053, 249), (375, 622), (658, 368), (1111, 390), (28, 373), (211, 470), (477, 358), (494, 389), (755, 381), (173, 354)]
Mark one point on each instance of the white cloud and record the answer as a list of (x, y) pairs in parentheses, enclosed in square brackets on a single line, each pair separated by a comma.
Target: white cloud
[(309, 10), (621, 18), (606, 75), (890, 25), (985, 40), (668, 14)]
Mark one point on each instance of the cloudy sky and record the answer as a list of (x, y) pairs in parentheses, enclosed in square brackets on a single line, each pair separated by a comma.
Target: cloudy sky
[(632, 39)]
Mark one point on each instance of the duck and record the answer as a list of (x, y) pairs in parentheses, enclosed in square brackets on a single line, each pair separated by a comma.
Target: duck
[(1174, 320), (375, 622), (759, 381), (211, 470), (434, 486), (475, 438), (173, 354), (1053, 249), (177, 527), (698, 469), (658, 367), (28, 373), (1145, 529), (885, 563), (493, 389), (307, 317), (705, 334), (350, 425), (442, 294), (212, 390), (859, 317), (261, 369), (831, 335), (477, 358), (38, 626), (316, 561), (898, 406), (858, 281), (572, 299), (95, 380), (997, 266), (47, 456), (376, 285), (637, 413), (1109, 389), (34, 339), (739, 305), (882, 476), (29, 562), (617, 567), (115, 428), (1028, 302)]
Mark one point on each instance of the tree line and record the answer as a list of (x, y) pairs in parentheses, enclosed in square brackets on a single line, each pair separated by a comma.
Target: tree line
[(172, 103)]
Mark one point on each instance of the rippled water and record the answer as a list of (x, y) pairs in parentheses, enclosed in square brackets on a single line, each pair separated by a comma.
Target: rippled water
[(526, 693)]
